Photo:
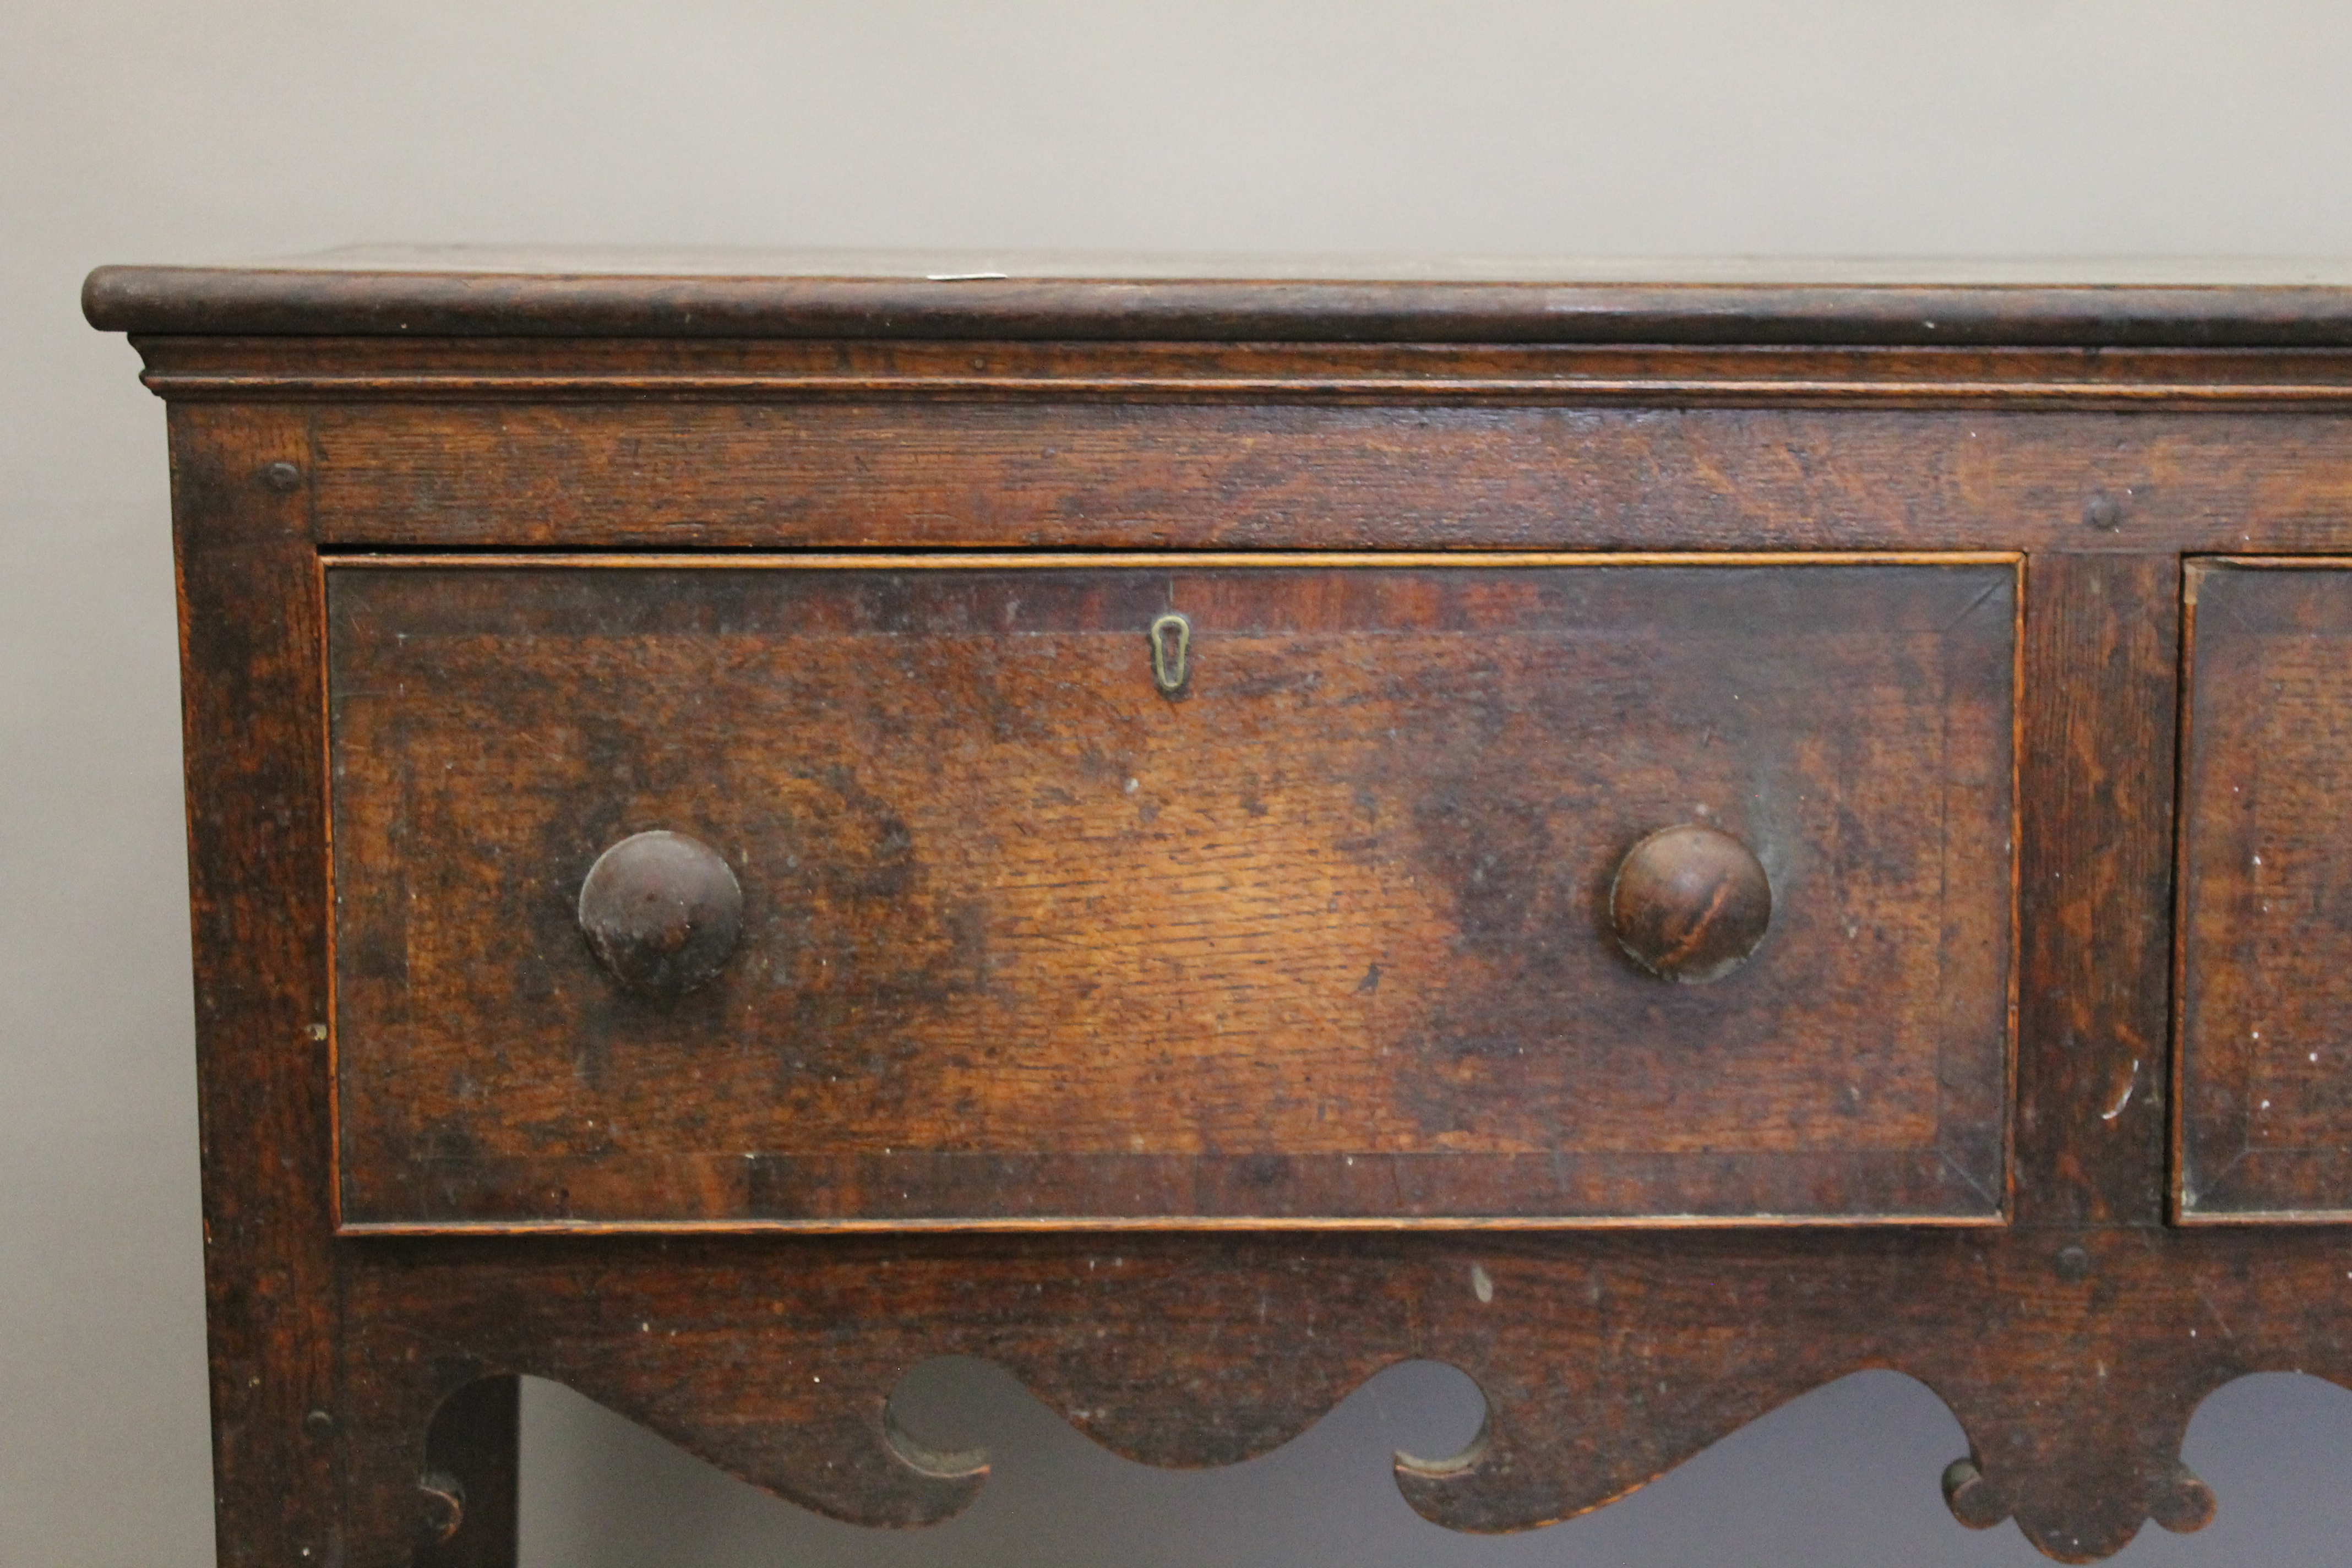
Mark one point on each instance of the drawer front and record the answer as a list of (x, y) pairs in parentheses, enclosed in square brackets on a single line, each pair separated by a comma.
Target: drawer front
[(1214, 890), (2265, 930)]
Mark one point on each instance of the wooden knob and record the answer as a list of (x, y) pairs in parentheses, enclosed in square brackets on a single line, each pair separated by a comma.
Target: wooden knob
[(661, 912), (1690, 903)]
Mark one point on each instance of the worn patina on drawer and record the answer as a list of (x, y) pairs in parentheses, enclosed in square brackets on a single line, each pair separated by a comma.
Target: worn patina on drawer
[(1300, 914), (2265, 929)]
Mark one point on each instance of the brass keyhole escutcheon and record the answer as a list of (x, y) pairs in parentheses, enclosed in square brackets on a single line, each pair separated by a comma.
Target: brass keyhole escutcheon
[(1172, 653)]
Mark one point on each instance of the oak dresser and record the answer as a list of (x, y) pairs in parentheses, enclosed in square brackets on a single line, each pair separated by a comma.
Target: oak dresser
[(1196, 830)]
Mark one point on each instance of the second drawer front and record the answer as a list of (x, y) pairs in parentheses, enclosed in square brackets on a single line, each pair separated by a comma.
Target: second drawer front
[(2265, 993), (1142, 890)]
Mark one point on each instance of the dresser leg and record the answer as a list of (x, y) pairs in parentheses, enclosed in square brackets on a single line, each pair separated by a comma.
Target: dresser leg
[(469, 1490)]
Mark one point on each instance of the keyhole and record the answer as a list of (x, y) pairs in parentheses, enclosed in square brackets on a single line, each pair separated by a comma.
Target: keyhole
[(1172, 653)]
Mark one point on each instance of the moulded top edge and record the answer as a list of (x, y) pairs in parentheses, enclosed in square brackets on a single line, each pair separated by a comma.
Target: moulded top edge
[(468, 291)]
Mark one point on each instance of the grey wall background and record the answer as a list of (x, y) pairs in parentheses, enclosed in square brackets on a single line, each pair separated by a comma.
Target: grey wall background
[(155, 132)]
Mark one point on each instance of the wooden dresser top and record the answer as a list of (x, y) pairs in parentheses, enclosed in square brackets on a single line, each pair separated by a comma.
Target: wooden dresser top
[(436, 291)]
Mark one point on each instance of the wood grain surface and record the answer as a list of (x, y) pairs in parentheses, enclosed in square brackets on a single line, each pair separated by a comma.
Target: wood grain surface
[(577, 370), (654, 294), (2073, 1366), (2266, 877), (2095, 883), (1323, 938), (994, 474), (255, 733), (361, 1380)]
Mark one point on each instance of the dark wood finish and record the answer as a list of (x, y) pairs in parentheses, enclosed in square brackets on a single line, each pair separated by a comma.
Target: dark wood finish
[(2102, 662), (1689, 903), (454, 292), (255, 740), (2073, 1366), (662, 913), (471, 1491), (343, 369), (2073, 1343), (2265, 1117), (1103, 474), (1318, 938)]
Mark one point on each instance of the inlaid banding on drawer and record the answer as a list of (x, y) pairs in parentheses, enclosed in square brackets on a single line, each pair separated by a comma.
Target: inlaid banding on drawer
[(1025, 930)]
